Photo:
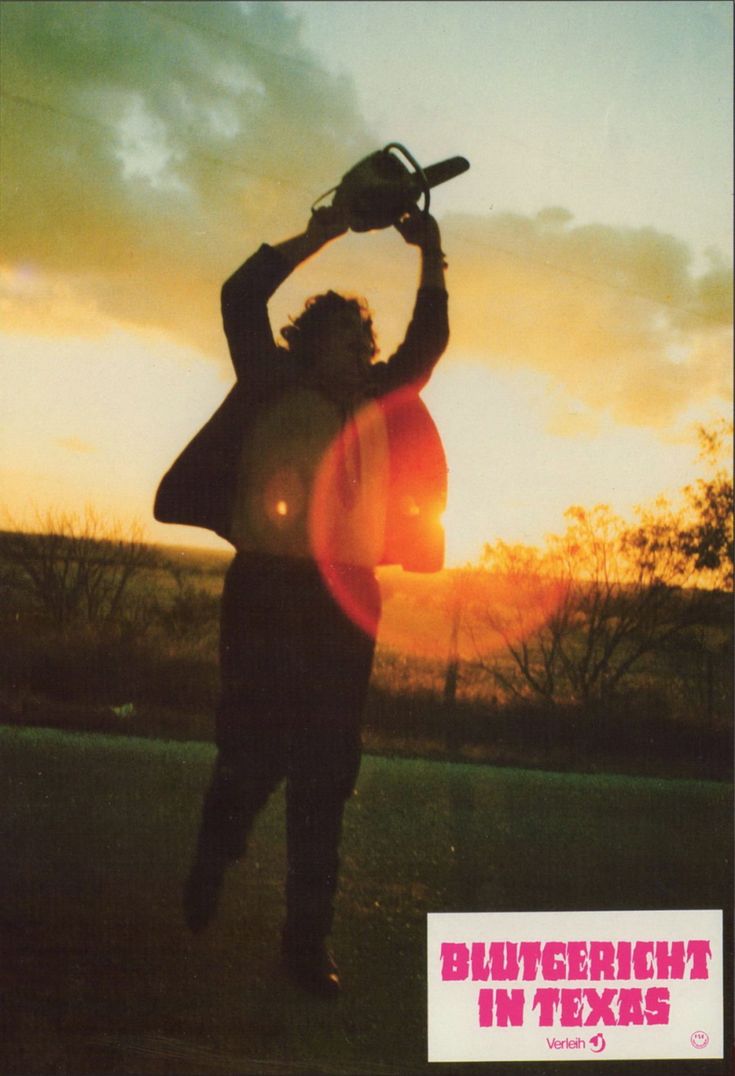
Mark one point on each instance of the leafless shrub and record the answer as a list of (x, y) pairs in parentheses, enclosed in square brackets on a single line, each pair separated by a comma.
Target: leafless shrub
[(78, 567)]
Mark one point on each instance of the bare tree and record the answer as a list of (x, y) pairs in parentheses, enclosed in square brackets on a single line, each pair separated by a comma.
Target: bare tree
[(78, 567), (454, 606), (517, 603), (576, 619)]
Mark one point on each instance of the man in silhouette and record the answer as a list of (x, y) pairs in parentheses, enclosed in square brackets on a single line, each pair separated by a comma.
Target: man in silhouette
[(295, 664)]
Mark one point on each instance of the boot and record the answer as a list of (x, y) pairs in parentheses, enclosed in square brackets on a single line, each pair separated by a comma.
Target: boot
[(202, 891), (311, 965)]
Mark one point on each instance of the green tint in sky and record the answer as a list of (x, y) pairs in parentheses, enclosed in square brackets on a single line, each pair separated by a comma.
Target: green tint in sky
[(620, 112), (149, 148)]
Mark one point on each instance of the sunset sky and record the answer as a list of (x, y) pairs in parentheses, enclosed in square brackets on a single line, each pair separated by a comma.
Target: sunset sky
[(148, 149)]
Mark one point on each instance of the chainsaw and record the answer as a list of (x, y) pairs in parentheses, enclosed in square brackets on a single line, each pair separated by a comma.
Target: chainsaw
[(380, 189)]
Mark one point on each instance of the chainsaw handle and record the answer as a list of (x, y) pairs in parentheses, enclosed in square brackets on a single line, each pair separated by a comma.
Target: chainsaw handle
[(418, 171), (322, 196)]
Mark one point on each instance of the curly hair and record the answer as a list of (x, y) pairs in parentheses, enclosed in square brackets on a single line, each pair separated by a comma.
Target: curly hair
[(302, 333)]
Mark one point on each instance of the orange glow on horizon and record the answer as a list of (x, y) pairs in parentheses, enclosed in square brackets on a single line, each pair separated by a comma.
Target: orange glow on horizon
[(378, 496)]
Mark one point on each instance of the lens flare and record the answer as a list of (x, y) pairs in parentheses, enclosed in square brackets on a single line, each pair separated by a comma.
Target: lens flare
[(378, 498)]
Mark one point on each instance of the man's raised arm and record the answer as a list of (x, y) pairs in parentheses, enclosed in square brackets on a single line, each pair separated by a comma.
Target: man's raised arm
[(421, 230), (428, 332), (245, 294), (325, 224)]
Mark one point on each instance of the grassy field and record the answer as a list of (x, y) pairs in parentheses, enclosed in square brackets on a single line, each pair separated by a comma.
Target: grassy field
[(100, 975), (148, 666)]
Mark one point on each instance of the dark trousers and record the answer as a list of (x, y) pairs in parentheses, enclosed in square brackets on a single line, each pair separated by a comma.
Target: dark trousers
[(295, 672)]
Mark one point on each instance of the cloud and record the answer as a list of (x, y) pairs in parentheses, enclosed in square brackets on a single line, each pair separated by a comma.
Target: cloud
[(145, 147), (148, 148), (75, 444), (614, 317)]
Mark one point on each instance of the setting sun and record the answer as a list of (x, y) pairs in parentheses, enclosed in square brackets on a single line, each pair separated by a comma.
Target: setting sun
[(512, 477), (590, 321)]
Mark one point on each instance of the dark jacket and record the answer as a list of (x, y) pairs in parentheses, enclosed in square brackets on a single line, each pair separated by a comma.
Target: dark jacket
[(199, 488)]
